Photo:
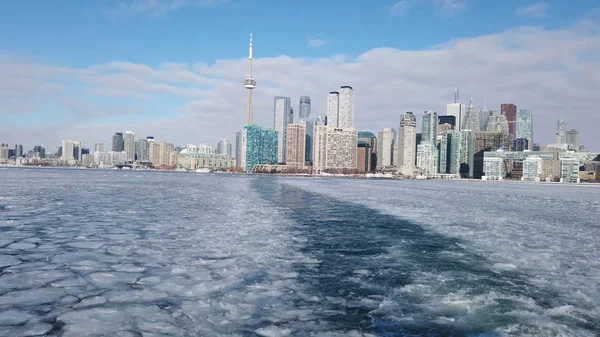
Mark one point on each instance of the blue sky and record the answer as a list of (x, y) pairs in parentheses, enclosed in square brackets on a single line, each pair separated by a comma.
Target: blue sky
[(173, 68), (80, 33)]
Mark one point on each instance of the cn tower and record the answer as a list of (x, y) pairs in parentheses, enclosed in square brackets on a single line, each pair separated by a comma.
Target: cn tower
[(249, 84)]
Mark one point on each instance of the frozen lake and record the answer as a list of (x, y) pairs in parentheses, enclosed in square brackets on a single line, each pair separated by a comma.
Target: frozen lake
[(129, 253)]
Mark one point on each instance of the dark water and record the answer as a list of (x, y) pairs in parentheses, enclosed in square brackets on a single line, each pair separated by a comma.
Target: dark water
[(124, 253)]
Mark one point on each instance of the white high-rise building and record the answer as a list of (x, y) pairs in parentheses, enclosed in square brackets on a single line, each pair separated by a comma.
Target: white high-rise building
[(457, 110), (407, 140), (296, 141), (532, 168), (130, 146), (282, 116), (385, 148), (69, 148), (99, 147), (569, 170), (493, 168), (334, 149), (333, 103), (346, 107), (426, 158)]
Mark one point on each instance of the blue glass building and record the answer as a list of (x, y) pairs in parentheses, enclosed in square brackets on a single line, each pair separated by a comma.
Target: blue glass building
[(260, 146), (269, 151)]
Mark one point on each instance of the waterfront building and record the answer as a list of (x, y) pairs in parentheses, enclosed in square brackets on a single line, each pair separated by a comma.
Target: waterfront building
[(304, 108), (109, 159), (426, 158), (283, 114), (525, 125), (407, 139), (153, 151), (118, 143), (569, 170), (18, 151), (510, 111), (334, 149), (258, 146), (370, 140), (385, 148), (194, 157), (129, 146), (488, 141), (493, 168), (296, 140), (456, 153), (39, 152), (3, 153), (99, 147), (364, 155), (532, 169), (165, 150), (142, 150), (71, 150)]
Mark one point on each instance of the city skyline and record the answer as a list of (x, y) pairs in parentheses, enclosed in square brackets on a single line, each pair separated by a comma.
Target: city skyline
[(201, 101)]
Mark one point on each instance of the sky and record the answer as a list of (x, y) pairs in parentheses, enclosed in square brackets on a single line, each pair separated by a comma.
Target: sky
[(174, 69)]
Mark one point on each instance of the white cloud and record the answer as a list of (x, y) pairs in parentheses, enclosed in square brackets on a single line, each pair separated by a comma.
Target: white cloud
[(312, 43), (443, 8), (552, 72), (157, 8), (537, 10)]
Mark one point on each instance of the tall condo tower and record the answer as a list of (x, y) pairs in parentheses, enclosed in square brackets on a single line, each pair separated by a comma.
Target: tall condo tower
[(249, 84)]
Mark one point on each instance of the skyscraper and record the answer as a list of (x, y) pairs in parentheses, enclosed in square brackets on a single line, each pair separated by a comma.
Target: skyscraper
[(430, 123), (296, 141), (118, 144), (561, 132), (249, 84), (99, 147), (334, 149), (333, 102), (573, 139), (471, 120), (223, 147), (39, 152), (510, 111), (238, 149), (407, 143), (18, 151), (142, 150), (426, 157), (258, 146), (457, 110), (346, 107), (282, 116), (525, 125), (129, 146), (3, 152), (304, 108), (385, 148)]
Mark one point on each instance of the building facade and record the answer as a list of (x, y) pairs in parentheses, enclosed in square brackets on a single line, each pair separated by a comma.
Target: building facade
[(532, 169), (142, 150), (457, 110), (510, 111), (296, 141), (334, 149), (493, 168), (223, 147), (430, 126), (385, 148), (407, 140), (304, 108), (569, 170), (129, 146), (427, 158), (572, 140), (99, 147), (525, 125), (118, 143), (282, 116), (471, 119), (333, 104)]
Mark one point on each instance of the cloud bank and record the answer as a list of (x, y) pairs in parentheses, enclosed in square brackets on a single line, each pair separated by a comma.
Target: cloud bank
[(552, 72)]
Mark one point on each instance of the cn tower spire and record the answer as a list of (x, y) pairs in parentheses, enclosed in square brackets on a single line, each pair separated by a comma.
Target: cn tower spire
[(249, 84)]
